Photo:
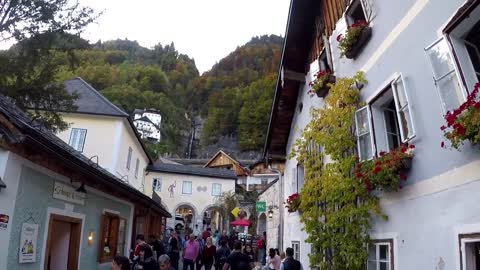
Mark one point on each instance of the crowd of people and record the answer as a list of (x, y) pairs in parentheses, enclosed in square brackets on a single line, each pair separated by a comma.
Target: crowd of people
[(205, 250)]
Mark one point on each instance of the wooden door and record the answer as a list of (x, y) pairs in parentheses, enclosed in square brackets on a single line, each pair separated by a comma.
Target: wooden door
[(75, 228)]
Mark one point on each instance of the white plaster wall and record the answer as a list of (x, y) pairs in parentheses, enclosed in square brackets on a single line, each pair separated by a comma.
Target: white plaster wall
[(200, 200), (442, 184)]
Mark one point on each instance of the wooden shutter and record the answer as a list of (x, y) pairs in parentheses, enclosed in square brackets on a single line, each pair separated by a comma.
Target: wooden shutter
[(101, 238)]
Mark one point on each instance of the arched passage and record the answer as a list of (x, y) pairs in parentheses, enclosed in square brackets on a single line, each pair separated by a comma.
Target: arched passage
[(185, 216), (262, 224), (212, 218)]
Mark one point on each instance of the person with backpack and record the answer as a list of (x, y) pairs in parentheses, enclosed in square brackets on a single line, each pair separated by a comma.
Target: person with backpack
[(222, 254), (290, 263), (237, 260)]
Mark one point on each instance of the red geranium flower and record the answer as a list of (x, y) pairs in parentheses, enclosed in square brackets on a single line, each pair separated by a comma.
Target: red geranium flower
[(377, 170), (382, 153), (339, 37), (442, 144)]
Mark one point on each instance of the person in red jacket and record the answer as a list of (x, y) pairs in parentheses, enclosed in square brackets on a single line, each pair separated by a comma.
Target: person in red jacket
[(207, 233)]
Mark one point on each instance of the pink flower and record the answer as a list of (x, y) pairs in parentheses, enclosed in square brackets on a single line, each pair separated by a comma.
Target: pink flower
[(339, 37), (442, 145)]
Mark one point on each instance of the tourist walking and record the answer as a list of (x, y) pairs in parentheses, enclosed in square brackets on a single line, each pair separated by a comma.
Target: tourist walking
[(273, 260), (157, 246), (262, 248), (196, 231), (222, 255), (290, 263), (249, 252), (207, 233), (121, 263), (164, 263), (146, 260), (139, 240), (190, 253), (237, 260), (208, 254), (199, 260), (174, 249)]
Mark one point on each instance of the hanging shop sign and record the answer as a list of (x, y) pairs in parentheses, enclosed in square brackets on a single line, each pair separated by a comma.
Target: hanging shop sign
[(68, 193), (28, 243)]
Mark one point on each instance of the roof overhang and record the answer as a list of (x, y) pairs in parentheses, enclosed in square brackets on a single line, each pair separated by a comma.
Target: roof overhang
[(291, 75)]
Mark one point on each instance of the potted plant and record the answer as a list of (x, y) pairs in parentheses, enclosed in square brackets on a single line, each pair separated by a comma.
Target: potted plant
[(387, 171), (354, 40), (463, 123), (293, 202), (321, 84)]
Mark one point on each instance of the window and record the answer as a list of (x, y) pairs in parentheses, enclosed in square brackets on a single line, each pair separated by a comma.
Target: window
[(129, 157), (187, 187), (444, 75), (157, 184), (470, 251), (137, 165), (358, 11), (324, 61), (216, 189), (77, 138), (296, 250), (300, 177), (391, 116), (112, 237), (380, 255)]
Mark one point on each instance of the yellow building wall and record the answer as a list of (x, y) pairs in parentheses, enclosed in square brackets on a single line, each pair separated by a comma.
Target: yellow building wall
[(109, 138)]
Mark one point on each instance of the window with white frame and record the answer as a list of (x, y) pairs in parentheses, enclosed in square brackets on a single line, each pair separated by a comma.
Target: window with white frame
[(296, 250), (444, 75), (380, 255), (390, 114), (157, 184), (187, 187), (216, 189), (359, 10), (137, 165), (77, 138), (129, 158), (469, 251)]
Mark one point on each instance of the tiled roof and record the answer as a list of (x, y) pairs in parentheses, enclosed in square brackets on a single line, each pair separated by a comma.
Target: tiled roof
[(90, 101), (40, 134), (188, 170)]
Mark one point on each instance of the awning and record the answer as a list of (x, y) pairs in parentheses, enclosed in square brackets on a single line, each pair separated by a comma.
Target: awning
[(240, 222)]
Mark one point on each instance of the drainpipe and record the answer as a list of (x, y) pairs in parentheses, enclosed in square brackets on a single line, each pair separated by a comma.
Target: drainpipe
[(280, 208)]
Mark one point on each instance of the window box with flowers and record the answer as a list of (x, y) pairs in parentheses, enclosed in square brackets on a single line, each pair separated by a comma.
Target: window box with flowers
[(322, 83), (355, 39), (293, 202), (463, 123), (387, 171)]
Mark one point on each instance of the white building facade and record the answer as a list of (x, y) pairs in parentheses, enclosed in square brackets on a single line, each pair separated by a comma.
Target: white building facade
[(148, 124), (426, 51)]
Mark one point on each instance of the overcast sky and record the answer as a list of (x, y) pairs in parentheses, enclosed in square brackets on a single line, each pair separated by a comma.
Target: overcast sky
[(206, 30)]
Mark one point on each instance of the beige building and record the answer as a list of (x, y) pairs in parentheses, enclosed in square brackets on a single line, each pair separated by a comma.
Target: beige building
[(190, 193), (105, 134), (269, 221)]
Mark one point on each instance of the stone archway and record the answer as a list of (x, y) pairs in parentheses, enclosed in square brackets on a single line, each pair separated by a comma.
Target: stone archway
[(184, 216), (213, 218), (262, 224)]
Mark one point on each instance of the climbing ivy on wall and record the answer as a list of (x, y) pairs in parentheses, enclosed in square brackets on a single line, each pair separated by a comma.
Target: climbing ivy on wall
[(335, 206)]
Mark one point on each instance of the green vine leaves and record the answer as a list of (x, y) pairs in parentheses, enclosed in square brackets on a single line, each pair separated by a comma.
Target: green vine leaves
[(335, 208)]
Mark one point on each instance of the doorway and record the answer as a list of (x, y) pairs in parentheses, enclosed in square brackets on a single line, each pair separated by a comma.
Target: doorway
[(63, 243)]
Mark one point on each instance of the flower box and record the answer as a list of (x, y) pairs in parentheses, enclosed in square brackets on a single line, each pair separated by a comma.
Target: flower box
[(387, 171), (321, 85), (293, 203), (361, 42), (323, 91), (463, 123)]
